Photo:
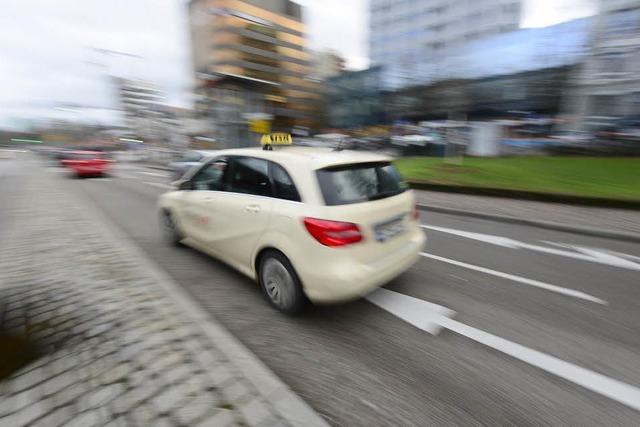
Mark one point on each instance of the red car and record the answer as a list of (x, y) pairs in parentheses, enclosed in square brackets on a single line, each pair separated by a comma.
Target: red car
[(88, 163)]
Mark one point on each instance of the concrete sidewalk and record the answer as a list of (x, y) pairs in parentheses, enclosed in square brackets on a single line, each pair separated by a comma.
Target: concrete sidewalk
[(609, 222), (118, 342)]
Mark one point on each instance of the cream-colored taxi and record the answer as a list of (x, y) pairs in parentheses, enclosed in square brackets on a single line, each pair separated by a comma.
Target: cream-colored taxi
[(305, 223)]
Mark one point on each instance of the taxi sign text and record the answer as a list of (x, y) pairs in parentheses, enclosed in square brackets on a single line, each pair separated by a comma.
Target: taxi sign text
[(276, 139)]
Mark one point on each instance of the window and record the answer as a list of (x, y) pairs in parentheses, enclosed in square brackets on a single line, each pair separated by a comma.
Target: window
[(210, 176), (359, 182), (250, 176), (511, 7), (612, 63), (192, 156), (284, 186), (293, 9), (622, 23)]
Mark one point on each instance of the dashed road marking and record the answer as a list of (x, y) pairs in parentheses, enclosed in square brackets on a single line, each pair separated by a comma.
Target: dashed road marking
[(601, 256), (164, 175), (519, 279)]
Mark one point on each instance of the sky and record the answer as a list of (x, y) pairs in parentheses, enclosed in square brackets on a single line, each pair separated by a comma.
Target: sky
[(50, 64)]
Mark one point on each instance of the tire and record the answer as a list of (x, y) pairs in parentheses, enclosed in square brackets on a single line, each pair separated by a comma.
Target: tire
[(170, 228), (280, 283)]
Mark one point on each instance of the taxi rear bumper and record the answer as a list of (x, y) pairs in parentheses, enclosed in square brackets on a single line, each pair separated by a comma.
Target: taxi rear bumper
[(345, 280)]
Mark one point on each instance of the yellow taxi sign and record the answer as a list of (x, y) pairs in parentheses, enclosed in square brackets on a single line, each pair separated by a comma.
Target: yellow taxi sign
[(276, 139)]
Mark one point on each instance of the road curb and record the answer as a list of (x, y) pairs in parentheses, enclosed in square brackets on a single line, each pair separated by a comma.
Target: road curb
[(566, 199), (587, 231), (291, 407)]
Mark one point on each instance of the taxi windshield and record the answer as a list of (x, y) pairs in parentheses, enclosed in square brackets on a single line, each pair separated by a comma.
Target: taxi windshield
[(360, 182)]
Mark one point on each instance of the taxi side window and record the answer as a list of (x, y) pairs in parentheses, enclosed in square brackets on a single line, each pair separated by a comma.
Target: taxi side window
[(284, 186), (250, 175), (211, 176)]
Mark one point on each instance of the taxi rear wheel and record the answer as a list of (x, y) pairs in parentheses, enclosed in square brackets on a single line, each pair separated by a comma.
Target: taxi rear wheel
[(170, 228), (280, 283)]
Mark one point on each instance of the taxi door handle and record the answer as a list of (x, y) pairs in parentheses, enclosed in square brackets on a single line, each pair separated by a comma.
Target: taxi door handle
[(252, 208)]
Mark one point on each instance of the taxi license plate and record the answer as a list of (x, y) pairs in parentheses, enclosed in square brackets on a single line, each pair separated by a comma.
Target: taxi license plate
[(390, 228)]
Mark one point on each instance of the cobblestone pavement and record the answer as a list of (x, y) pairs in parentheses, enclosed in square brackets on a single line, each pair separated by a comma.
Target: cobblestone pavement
[(582, 216), (118, 343)]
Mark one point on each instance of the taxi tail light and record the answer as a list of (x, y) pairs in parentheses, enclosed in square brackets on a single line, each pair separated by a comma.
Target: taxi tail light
[(333, 233)]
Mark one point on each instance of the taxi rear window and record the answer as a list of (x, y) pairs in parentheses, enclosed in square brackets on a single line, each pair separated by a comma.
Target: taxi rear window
[(359, 182)]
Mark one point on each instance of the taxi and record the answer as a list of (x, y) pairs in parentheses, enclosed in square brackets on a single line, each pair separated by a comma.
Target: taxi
[(307, 223)]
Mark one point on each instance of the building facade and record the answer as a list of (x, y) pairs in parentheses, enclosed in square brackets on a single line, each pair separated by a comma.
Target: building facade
[(402, 30), (326, 64), (536, 92), (608, 83), (141, 104), (251, 66), (526, 70), (356, 99)]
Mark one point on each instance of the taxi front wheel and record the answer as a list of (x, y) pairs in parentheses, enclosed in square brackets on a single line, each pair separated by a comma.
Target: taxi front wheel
[(280, 283), (170, 228)]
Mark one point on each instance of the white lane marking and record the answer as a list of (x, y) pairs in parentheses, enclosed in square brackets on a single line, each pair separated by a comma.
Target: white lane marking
[(157, 184), (426, 318), (613, 389), (612, 257), (154, 173), (419, 313), (600, 256), (459, 278), (487, 238), (520, 279)]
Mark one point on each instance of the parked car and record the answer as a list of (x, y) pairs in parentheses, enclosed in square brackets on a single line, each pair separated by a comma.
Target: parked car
[(189, 159), (573, 137), (87, 163), (306, 223)]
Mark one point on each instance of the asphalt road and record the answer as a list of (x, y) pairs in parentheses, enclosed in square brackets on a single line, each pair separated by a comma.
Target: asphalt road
[(544, 327)]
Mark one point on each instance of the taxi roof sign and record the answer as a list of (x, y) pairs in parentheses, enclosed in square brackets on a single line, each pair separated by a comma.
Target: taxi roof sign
[(276, 139)]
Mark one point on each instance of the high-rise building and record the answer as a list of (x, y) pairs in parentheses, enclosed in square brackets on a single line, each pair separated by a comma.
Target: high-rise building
[(141, 104), (402, 30), (326, 64), (356, 99), (608, 84), (251, 67)]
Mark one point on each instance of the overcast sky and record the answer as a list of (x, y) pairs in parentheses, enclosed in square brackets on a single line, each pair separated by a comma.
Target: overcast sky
[(48, 65)]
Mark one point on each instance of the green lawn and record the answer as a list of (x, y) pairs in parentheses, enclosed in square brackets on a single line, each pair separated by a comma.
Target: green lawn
[(617, 178)]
